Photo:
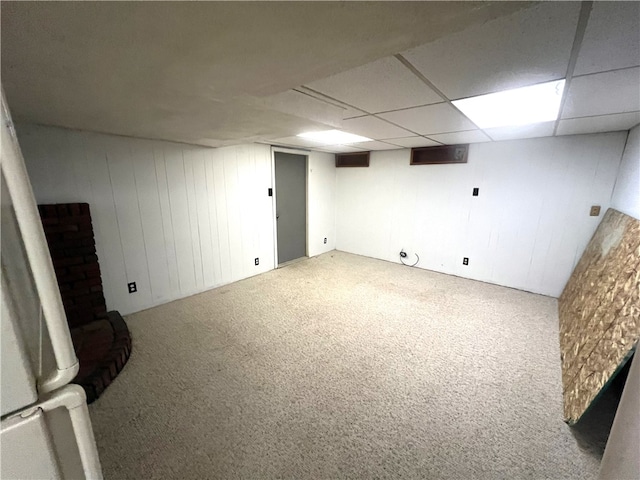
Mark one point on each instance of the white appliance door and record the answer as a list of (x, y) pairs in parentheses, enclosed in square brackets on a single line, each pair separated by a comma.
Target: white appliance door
[(51, 439), (27, 448), (28, 279), (18, 383)]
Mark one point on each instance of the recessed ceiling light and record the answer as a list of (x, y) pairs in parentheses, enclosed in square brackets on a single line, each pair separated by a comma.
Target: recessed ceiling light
[(520, 106), (333, 137)]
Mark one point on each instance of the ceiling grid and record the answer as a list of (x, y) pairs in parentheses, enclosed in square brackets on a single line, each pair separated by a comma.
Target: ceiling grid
[(393, 79), (585, 12)]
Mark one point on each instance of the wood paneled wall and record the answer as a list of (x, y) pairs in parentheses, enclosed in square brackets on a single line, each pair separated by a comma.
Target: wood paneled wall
[(526, 229), (175, 219)]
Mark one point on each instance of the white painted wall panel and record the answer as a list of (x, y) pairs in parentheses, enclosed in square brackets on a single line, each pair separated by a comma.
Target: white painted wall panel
[(167, 222), (202, 209), (125, 197), (179, 203), (321, 183), (151, 219), (176, 219), (214, 234), (626, 195), (103, 214), (192, 206), (234, 204), (526, 229), (220, 190)]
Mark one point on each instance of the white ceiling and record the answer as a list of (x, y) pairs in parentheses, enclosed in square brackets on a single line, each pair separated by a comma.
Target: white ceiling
[(223, 73)]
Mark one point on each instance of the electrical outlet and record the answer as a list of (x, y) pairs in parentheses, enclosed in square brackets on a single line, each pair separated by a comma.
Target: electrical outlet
[(325, 239), (595, 211), (257, 260), (465, 261), (476, 191), (132, 287)]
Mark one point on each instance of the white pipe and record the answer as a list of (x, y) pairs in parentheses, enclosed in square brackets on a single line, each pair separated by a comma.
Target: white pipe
[(73, 398), (24, 204)]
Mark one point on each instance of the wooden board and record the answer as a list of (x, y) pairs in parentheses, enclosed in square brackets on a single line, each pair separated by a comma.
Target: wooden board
[(599, 312)]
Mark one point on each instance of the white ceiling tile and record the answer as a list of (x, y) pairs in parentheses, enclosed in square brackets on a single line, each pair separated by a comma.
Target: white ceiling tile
[(350, 112), (432, 119), (471, 136), (339, 149), (544, 129), (530, 46), (373, 128), (353, 113), (612, 38), (295, 141), (603, 93), (347, 111), (375, 145), (601, 123), (411, 142), (383, 85)]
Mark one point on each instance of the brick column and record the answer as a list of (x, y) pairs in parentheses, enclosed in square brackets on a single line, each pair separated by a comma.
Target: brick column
[(72, 246)]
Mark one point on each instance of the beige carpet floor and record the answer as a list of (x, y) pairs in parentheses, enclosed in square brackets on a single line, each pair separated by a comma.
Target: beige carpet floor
[(342, 366)]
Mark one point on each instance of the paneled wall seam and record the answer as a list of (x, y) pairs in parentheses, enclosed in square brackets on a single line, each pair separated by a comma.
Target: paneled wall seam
[(624, 149), (525, 229), (116, 211), (146, 251)]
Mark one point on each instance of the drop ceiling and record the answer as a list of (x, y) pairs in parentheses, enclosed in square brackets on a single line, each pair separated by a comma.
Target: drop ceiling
[(227, 73)]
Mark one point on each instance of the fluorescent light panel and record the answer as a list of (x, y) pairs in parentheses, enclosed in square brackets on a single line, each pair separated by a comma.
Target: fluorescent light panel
[(333, 137), (520, 106)]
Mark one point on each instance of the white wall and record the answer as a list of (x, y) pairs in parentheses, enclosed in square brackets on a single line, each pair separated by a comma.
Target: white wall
[(626, 194), (174, 218), (321, 203), (526, 229)]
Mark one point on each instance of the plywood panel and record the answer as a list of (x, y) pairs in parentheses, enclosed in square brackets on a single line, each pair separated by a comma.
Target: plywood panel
[(599, 312)]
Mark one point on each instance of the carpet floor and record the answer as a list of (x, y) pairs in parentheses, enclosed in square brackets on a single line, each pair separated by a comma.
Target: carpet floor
[(342, 366)]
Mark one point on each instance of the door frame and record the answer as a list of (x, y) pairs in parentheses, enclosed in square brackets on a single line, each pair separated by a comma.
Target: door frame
[(305, 154)]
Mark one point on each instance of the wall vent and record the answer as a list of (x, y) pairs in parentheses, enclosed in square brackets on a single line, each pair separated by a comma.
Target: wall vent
[(440, 154), (356, 159)]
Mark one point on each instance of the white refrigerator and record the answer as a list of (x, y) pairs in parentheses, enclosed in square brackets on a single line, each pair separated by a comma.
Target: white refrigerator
[(45, 428)]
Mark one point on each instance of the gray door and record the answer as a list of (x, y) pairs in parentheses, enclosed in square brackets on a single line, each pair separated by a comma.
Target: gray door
[(291, 206)]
